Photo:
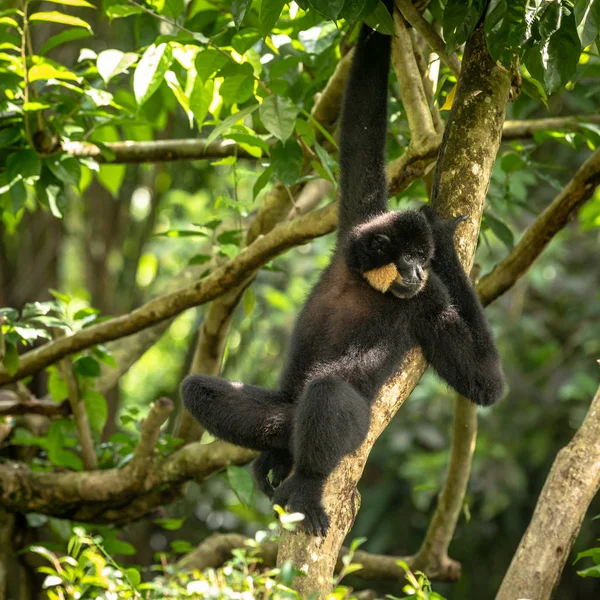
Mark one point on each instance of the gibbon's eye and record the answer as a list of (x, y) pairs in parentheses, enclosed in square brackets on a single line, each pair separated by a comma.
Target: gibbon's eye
[(409, 257)]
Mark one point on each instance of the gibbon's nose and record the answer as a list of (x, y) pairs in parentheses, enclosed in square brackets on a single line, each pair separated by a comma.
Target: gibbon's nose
[(418, 273)]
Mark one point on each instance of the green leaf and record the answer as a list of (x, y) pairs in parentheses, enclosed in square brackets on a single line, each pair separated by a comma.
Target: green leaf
[(170, 524), (112, 62), (150, 71), (8, 136), (381, 19), (269, 14), (236, 89), (209, 62), (501, 231), (587, 17), (286, 160), (86, 366), (181, 233), (593, 553), (56, 385), (506, 29), (11, 358), (47, 71), (170, 8), (25, 164), (248, 141), (179, 94), (590, 572), (357, 10), (241, 483), (230, 122), (460, 19), (82, 3), (261, 182), (9, 22), (554, 60), (238, 10), (120, 11), (58, 17), (65, 169), (512, 162), (200, 98), (134, 576), (96, 408), (278, 116), (248, 301), (68, 35), (329, 8), (245, 39)]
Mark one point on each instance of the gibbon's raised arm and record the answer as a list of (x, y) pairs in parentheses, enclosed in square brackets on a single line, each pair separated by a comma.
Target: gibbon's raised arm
[(363, 132)]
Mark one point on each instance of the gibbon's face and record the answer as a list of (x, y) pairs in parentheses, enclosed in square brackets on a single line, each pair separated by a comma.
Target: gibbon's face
[(401, 243), (404, 278)]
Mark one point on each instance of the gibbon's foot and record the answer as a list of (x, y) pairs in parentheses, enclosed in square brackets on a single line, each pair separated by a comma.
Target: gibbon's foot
[(303, 495), (276, 462)]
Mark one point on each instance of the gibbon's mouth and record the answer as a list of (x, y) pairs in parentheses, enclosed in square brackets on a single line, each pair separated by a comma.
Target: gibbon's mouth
[(387, 279)]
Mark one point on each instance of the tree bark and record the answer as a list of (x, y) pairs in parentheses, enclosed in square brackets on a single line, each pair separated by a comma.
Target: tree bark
[(571, 485)]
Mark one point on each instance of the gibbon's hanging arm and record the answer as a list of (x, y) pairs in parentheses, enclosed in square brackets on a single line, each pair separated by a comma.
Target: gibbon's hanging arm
[(394, 282)]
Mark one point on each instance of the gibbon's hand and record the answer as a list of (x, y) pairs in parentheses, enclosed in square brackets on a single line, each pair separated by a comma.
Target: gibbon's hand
[(443, 232)]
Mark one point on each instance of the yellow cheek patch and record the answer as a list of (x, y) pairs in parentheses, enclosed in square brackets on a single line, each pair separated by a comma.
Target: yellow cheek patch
[(382, 278)]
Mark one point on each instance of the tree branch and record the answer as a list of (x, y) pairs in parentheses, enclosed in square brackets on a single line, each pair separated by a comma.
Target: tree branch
[(222, 279), (544, 228), (519, 130), (217, 549), (197, 149), (100, 496), (570, 486), (46, 408), (429, 34), (433, 554), (414, 99), (80, 417), (156, 151)]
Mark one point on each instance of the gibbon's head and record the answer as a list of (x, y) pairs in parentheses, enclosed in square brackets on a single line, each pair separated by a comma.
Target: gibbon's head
[(392, 252)]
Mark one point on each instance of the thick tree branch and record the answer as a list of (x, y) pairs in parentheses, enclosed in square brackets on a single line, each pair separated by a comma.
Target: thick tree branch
[(475, 122), (217, 549), (156, 151), (101, 495), (198, 149), (433, 554), (429, 34), (222, 279), (46, 408), (520, 130), (544, 228), (571, 485), (299, 231)]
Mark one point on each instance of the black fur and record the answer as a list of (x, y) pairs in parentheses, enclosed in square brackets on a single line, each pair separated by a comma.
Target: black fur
[(350, 338)]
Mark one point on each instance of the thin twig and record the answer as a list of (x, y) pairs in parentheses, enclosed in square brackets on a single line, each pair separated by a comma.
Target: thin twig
[(24, 34), (429, 34), (84, 432)]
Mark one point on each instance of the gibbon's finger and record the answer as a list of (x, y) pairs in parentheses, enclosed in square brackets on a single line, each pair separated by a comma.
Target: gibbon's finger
[(458, 220)]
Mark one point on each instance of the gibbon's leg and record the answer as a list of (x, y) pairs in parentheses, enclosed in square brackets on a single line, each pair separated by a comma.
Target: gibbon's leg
[(331, 420), (278, 463), (246, 415)]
